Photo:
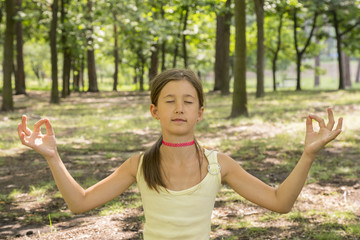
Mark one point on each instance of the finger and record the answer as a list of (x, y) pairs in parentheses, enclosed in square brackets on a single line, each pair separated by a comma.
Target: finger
[(339, 124), (309, 125), (22, 139), (318, 119), (333, 135), (331, 122), (20, 129), (49, 129), (37, 125), (26, 130)]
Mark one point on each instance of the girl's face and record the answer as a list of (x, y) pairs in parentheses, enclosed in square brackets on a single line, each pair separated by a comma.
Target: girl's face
[(178, 108)]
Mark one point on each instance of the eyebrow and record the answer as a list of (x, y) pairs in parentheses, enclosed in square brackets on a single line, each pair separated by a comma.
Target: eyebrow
[(186, 95)]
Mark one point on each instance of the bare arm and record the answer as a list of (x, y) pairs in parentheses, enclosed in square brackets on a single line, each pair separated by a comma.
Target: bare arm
[(281, 199), (78, 199)]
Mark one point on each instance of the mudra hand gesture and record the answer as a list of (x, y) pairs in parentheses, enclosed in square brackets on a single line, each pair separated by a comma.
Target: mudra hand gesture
[(43, 144), (314, 141)]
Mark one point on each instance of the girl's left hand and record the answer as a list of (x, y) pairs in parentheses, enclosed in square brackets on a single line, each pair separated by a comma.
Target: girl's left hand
[(314, 141)]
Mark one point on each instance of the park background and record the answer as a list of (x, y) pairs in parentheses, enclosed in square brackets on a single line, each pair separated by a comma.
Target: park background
[(86, 65)]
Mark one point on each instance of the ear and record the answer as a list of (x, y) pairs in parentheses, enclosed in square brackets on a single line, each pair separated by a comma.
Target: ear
[(201, 113), (154, 111)]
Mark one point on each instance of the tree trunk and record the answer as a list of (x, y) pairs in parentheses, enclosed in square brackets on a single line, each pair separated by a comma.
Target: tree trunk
[(317, 67), (300, 53), (259, 9), (93, 86), (7, 98), (186, 64), (66, 52), (163, 44), (176, 51), (163, 56), (20, 87), (154, 65), (116, 54), (54, 69), (298, 72), (222, 58), (338, 46), (347, 75), (357, 77), (76, 75), (276, 54), (141, 78), (81, 73), (239, 102)]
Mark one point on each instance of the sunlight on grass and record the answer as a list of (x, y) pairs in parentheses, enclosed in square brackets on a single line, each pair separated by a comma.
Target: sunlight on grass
[(271, 216), (295, 216), (40, 191), (118, 206), (34, 219), (14, 194)]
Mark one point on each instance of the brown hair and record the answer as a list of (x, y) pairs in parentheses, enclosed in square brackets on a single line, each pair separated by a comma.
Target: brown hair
[(151, 159)]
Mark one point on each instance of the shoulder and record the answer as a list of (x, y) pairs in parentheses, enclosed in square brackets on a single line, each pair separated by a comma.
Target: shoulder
[(131, 164), (227, 164)]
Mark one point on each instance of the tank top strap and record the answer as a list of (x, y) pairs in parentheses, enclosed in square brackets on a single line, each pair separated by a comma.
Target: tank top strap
[(138, 173), (214, 167)]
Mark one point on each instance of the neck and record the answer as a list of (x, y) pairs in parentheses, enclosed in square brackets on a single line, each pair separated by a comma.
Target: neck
[(177, 154)]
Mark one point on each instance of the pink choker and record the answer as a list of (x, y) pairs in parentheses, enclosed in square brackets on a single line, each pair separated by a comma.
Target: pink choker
[(178, 144)]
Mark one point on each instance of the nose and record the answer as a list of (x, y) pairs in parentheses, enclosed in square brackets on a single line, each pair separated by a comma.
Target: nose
[(179, 108)]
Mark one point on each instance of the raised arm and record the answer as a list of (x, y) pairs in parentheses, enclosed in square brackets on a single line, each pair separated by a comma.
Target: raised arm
[(282, 199), (78, 199)]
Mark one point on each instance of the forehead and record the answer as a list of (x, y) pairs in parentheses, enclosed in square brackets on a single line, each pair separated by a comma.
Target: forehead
[(178, 87)]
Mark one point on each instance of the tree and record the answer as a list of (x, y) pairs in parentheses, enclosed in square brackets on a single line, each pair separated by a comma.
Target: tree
[(239, 102), (20, 87), (300, 52), (157, 16), (116, 53), (222, 49), (346, 71), (357, 76), (185, 55), (277, 50), (91, 66), (7, 103), (163, 44), (176, 49), (345, 18), (260, 62), (317, 64), (66, 49), (53, 48), (277, 38)]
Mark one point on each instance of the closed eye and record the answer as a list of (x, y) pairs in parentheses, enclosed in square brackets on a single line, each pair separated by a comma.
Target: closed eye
[(188, 102)]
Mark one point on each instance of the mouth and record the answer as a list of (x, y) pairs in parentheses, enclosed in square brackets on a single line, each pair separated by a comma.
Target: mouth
[(178, 120)]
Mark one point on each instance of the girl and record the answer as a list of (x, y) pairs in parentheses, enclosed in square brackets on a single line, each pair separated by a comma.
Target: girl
[(177, 178)]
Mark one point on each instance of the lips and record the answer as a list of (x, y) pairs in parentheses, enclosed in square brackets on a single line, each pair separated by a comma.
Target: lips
[(178, 120)]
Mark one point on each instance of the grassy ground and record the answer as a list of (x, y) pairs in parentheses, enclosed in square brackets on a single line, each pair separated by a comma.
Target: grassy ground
[(97, 132)]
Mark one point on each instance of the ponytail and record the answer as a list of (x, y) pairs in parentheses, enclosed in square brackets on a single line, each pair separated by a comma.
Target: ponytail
[(151, 166)]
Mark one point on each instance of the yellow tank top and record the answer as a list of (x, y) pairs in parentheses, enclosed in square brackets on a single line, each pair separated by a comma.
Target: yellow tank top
[(182, 214)]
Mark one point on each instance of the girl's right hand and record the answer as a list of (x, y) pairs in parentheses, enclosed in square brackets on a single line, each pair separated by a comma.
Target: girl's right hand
[(43, 144)]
